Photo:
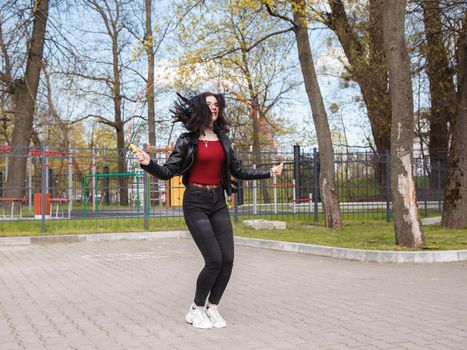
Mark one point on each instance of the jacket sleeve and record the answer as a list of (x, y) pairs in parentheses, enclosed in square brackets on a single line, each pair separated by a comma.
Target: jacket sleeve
[(240, 172), (172, 166)]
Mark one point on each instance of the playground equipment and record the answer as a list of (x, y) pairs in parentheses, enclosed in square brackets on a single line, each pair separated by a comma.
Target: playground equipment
[(72, 176), (95, 189), (59, 182), (12, 210)]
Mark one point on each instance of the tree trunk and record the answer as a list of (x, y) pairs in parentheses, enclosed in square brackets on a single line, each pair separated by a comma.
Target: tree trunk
[(327, 182), (112, 21), (257, 151), (367, 67), (149, 45), (121, 145), (407, 223), (455, 199), (122, 168), (25, 92), (255, 115), (442, 89)]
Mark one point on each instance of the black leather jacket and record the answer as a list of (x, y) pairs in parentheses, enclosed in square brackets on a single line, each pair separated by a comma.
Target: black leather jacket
[(184, 155)]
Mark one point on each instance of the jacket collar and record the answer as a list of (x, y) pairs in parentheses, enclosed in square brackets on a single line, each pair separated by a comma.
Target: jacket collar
[(193, 138), (225, 140)]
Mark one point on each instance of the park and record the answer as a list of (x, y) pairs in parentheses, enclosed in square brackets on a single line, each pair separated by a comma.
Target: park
[(341, 174)]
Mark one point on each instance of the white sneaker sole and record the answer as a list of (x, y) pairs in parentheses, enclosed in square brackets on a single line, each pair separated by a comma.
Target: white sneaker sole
[(190, 321), (219, 325)]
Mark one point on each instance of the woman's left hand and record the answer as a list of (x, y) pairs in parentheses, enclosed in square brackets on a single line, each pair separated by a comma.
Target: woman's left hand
[(141, 156), (277, 170)]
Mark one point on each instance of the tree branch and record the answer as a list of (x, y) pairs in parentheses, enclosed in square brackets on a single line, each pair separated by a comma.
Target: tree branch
[(6, 56), (6, 79), (275, 14), (79, 75), (339, 22), (99, 118), (251, 47)]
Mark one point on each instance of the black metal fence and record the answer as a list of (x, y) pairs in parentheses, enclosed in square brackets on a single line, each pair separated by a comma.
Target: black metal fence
[(106, 186)]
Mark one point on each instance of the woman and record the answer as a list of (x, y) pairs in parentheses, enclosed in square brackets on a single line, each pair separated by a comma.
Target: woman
[(205, 159)]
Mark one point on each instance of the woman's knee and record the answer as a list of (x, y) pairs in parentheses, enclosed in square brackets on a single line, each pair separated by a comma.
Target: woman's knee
[(227, 260), (214, 263)]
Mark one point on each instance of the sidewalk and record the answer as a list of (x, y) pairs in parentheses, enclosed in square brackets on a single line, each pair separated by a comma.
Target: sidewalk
[(134, 295), (379, 256)]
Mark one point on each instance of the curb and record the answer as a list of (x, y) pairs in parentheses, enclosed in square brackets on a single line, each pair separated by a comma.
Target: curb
[(376, 256), (94, 237)]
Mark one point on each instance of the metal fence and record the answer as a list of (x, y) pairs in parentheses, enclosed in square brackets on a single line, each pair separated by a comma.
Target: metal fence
[(106, 186)]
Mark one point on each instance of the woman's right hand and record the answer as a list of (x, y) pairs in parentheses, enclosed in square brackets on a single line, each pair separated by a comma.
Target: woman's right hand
[(277, 170), (142, 157)]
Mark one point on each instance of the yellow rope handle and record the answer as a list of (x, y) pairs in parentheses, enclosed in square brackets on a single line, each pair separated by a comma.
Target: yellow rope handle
[(133, 147)]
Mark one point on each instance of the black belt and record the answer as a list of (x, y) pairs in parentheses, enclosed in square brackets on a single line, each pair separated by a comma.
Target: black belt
[(208, 187)]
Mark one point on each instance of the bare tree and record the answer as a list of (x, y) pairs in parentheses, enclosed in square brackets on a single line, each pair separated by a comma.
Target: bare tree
[(442, 89), (362, 41), (455, 199), (408, 228), (24, 92), (299, 25), (115, 24), (327, 185), (149, 46), (156, 28)]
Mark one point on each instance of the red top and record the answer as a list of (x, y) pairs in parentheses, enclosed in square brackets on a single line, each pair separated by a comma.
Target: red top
[(207, 168)]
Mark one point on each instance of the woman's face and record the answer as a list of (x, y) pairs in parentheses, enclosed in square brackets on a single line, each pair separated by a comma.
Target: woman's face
[(214, 107)]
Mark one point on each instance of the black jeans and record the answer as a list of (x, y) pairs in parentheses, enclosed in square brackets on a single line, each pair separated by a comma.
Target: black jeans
[(208, 220)]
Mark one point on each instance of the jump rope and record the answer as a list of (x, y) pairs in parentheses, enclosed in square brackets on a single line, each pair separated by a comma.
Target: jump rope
[(261, 124), (133, 147)]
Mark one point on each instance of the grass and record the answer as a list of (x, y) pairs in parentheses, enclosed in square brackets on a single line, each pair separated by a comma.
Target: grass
[(357, 233), (369, 234), (64, 227), (352, 189)]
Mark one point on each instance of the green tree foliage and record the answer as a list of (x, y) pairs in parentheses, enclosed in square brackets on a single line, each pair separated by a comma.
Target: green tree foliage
[(230, 48)]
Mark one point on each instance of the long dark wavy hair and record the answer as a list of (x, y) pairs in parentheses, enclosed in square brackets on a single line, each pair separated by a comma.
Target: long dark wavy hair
[(195, 115)]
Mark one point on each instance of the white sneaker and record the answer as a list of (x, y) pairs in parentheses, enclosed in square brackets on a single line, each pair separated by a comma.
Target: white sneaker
[(215, 317), (197, 317)]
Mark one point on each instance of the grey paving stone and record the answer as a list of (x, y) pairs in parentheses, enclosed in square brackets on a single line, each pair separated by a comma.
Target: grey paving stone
[(134, 294)]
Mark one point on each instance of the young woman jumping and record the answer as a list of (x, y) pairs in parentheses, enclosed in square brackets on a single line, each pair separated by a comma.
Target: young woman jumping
[(205, 159)]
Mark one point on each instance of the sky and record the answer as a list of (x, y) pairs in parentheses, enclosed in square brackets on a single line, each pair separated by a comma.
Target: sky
[(328, 59), (349, 121)]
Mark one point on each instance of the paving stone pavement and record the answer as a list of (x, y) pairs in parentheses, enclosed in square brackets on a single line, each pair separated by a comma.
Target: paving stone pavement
[(135, 294)]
